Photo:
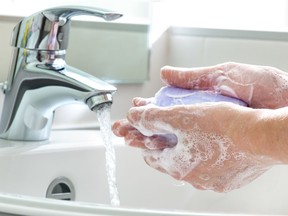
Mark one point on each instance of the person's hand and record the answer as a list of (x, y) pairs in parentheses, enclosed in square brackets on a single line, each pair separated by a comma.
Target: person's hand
[(216, 145), (258, 86)]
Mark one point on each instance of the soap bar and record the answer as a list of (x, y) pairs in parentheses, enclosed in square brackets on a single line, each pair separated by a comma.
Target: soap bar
[(170, 96)]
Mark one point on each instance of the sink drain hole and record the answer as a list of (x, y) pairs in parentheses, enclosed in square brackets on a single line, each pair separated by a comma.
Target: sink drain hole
[(61, 188)]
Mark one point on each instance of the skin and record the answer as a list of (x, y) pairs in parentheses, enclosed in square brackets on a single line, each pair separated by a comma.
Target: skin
[(214, 146)]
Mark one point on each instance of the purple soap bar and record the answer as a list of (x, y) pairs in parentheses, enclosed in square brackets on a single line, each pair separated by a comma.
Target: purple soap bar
[(169, 96)]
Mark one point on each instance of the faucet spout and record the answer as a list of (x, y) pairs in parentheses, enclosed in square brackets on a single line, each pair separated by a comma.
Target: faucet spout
[(97, 101), (40, 81)]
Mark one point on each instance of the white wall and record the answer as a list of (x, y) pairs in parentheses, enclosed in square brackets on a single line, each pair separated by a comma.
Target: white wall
[(190, 48), (236, 14)]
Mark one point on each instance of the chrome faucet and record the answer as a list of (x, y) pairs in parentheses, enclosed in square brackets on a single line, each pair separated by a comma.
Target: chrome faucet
[(39, 80)]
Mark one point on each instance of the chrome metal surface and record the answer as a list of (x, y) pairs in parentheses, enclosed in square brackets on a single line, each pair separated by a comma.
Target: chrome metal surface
[(96, 101), (40, 80), (49, 29)]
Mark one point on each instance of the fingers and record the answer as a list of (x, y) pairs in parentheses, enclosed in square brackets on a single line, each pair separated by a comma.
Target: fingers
[(229, 79), (161, 141), (175, 161), (134, 138), (151, 120), (138, 101), (121, 127), (196, 78), (156, 142)]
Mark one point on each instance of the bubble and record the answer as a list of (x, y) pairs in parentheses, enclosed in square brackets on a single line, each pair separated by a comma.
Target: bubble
[(204, 177), (192, 149), (239, 156), (195, 147), (223, 144)]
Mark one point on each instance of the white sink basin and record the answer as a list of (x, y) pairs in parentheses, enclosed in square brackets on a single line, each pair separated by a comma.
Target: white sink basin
[(78, 155)]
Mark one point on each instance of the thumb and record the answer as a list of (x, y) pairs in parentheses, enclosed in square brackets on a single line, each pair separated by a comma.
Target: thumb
[(150, 120)]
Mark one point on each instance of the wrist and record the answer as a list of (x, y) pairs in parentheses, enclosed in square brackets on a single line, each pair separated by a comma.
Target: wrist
[(272, 132)]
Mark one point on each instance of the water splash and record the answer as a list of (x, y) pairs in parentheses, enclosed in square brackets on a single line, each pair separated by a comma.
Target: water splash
[(104, 118)]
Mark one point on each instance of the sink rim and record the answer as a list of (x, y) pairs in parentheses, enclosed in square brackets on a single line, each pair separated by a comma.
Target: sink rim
[(18, 204)]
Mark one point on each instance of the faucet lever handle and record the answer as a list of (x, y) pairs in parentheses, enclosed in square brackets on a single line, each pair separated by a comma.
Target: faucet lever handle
[(49, 29)]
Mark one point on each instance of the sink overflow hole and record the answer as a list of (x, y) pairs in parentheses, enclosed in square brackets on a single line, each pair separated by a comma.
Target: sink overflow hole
[(61, 188)]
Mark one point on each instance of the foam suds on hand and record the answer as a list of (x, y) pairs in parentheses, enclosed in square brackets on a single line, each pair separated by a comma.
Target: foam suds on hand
[(192, 149), (222, 87), (271, 80), (214, 151)]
